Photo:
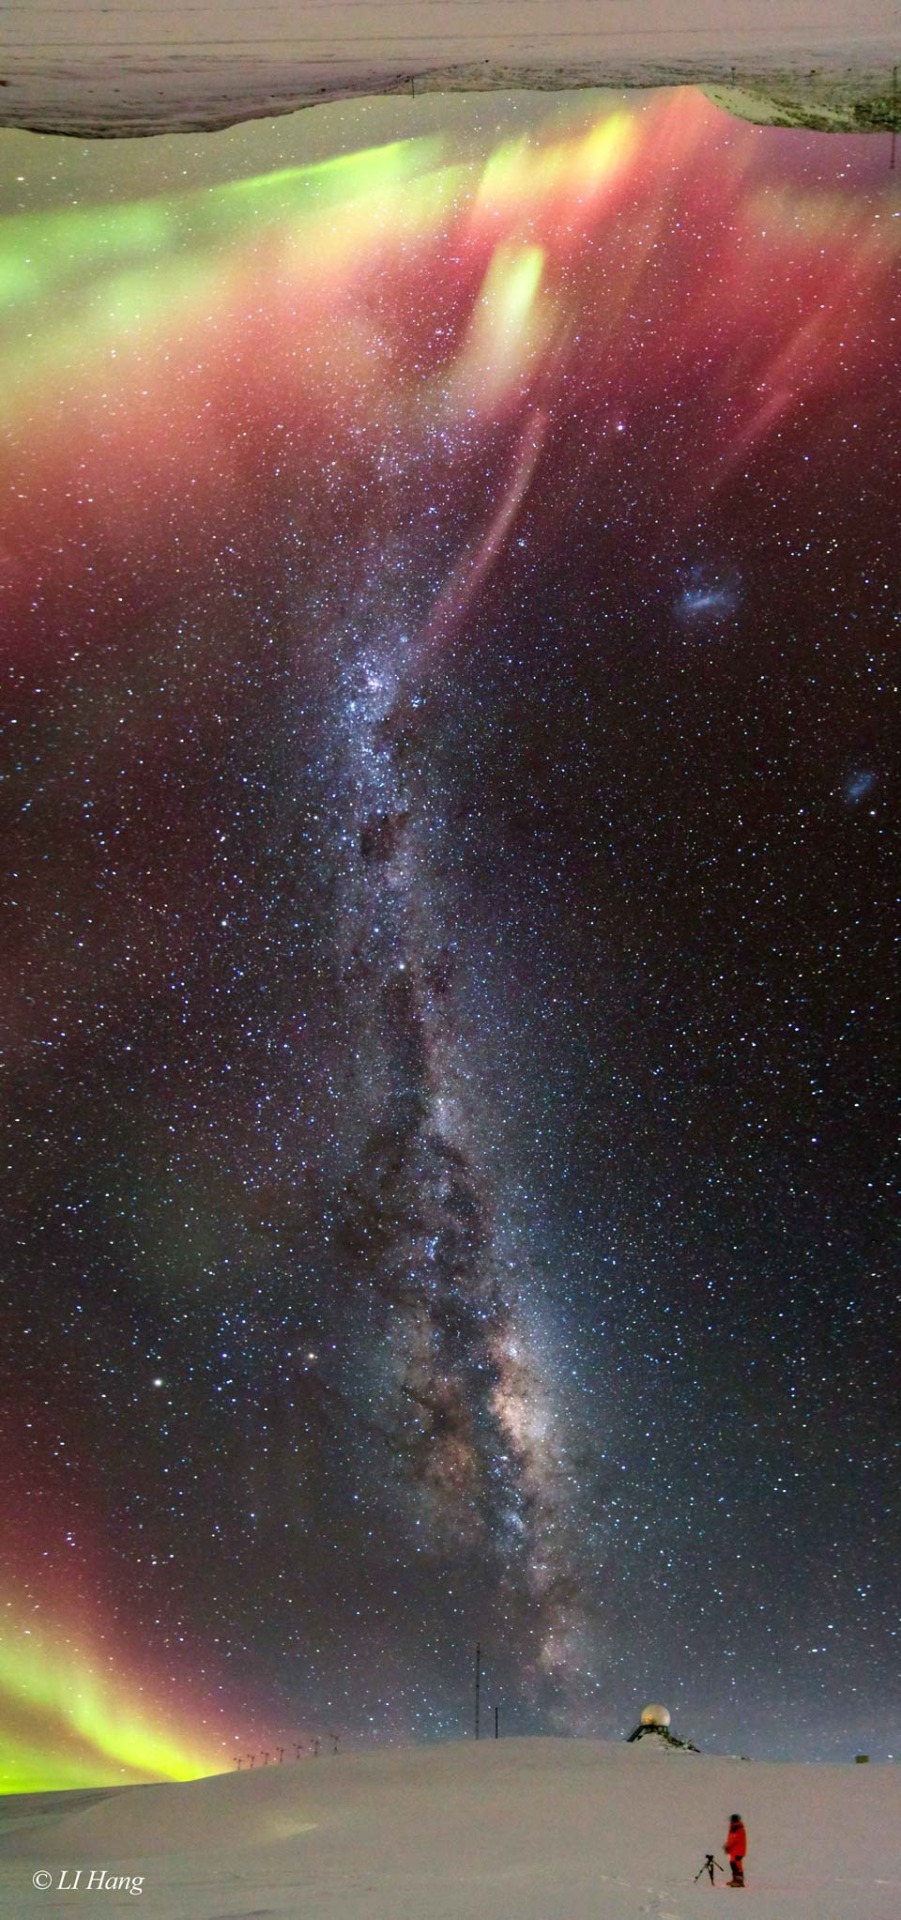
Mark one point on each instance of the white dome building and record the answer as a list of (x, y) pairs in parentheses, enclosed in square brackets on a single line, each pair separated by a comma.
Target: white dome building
[(654, 1725)]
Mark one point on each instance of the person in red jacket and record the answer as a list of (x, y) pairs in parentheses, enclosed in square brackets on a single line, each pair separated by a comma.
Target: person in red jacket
[(736, 1846)]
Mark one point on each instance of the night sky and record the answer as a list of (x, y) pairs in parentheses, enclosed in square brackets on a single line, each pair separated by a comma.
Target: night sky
[(447, 601)]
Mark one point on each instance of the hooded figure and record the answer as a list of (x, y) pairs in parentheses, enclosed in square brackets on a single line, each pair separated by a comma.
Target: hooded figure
[(736, 1846)]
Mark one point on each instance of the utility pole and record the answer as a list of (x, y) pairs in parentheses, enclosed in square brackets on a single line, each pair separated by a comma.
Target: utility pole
[(496, 1717), (478, 1686)]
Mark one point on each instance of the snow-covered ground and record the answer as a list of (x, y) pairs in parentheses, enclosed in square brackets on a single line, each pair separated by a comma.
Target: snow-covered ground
[(136, 66), (509, 1829)]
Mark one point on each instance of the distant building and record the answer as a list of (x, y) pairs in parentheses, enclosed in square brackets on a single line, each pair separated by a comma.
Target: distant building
[(655, 1725)]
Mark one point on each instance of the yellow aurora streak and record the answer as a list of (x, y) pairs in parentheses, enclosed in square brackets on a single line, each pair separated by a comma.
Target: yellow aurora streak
[(70, 1720)]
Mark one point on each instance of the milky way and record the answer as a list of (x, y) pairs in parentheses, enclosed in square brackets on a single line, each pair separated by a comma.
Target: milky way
[(461, 1403), (446, 622)]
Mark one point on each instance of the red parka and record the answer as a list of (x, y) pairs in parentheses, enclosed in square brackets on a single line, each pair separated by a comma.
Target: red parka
[(736, 1842)]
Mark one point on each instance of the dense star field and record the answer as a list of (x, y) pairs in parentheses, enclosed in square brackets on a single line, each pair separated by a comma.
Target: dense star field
[(446, 609)]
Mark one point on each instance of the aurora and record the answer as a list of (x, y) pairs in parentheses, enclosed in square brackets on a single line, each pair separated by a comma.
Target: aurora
[(445, 623)]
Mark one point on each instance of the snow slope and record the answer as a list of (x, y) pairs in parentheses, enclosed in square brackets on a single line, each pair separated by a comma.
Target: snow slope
[(514, 1829), (104, 67)]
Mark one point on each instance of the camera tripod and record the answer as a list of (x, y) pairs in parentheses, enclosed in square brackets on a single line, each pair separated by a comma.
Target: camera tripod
[(710, 1867)]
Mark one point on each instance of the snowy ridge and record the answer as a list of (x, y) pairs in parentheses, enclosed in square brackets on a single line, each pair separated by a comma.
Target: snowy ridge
[(140, 67), (535, 1829)]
